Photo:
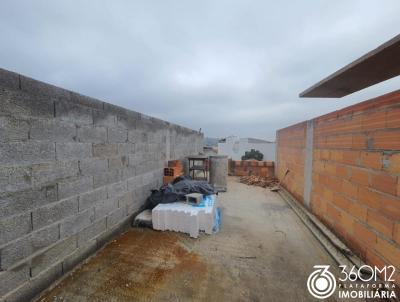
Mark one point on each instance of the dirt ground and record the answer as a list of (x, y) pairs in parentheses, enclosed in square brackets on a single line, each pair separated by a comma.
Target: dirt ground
[(262, 253)]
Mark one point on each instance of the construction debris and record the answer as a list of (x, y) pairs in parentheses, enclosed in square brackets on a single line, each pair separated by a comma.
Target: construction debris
[(260, 181)]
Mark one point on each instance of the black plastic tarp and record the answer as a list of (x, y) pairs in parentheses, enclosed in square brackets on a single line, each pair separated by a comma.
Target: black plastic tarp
[(177, 190)]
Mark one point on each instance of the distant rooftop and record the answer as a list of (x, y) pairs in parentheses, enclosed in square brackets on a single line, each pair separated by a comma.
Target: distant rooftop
[(249, 139), (374, 67), (257, 140)]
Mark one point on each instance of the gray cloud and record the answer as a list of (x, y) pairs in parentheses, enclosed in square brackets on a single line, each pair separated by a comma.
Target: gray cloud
[(229, 67)]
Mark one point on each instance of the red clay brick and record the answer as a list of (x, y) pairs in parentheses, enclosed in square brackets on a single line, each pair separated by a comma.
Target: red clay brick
[(371, 160), (393, 118), (373, 121), (358, 210), (342, 172), (351, 157), (360, 176), (384, 182), (350, 189), (333, 213), (330, 168), (390, 206), (380, 223), (344, 226), (396, 234), (324, 154), (341, 202), (369, 198), (359, 141), (339, 141), (327, 195), (389, 140), (336, 155), (334, 183), (389, 251), (392, 163), (364, 234), (372, 258)]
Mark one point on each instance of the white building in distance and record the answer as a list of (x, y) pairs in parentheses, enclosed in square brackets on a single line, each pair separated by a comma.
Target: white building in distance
[(235, 147)]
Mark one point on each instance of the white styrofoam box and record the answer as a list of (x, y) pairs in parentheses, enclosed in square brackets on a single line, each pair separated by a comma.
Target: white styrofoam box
[(186, 218)]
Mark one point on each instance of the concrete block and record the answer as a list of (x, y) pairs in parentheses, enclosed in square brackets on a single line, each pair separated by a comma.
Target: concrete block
[(118, 162), (89, 199), (11, 279), (52, 172), (135, 159), (103, 118), (72, 112), (79, 255), (125, 199), (34, 286), (15, 178), (148, 178), (52, 130), (54, 212), (9, 80), (107, 178), (126, 148), (92, 134), (76, 223), (117, 189), (105, 150), (20, 104), (134, 136), (117, 135), (110, 234), (116, 217), (69, 151), (128, 172), (128, 119), (24, 247), (143, 167), (93, 166), (18, 202), (13, 129), (105, 207), (134, 206), (75, 186), (18, 153), (135, 182), (14, 227), (43, 90), (86, 101), (92, 231), (53, 254)]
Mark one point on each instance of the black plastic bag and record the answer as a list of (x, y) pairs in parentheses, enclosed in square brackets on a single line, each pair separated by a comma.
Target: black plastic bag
[(177, 190)]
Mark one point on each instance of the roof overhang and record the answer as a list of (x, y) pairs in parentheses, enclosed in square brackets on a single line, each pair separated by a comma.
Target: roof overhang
[(374, 67)]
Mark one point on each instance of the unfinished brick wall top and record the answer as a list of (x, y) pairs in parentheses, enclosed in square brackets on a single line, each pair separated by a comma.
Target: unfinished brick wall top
[(72, 171), (290, 155), (355, 176), (251, 167)]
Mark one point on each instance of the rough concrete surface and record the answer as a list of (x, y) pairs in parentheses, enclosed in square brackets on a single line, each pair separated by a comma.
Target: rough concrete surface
[(262, 253)]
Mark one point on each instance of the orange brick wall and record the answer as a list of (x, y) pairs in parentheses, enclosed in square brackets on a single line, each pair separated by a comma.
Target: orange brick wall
[(251, 167), (355, 175), (291, 155)]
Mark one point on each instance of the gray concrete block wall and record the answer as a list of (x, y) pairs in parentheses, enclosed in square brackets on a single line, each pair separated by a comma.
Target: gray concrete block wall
[(73, 170)]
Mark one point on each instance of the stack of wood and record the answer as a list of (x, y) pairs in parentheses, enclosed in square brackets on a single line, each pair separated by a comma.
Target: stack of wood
[(260, 181)]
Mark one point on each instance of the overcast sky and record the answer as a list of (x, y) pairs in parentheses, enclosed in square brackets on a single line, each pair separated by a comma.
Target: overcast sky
[(228, 67)]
